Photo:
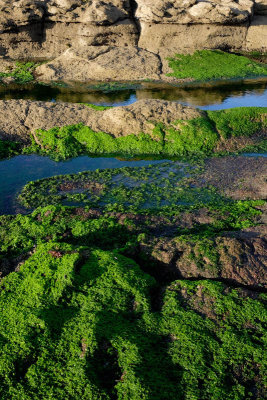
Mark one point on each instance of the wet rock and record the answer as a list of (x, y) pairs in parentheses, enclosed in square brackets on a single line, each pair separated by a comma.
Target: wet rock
[(237, 177), (261, 7), (240, 258)]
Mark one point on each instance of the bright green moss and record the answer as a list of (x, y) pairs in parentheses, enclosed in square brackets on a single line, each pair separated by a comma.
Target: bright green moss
[(97, 108), (189, 138), (240, 121), (214, 64), (22, 73), (76, 322)]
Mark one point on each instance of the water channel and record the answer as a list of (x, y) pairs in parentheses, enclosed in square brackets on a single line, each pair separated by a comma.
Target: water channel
[(17, 171)]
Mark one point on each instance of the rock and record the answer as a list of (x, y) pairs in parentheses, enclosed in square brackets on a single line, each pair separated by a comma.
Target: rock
[(194, 11), (18, 118), (261, 7), (168, 39), (20, 13), (237, 177), (46, 29), (142, 116), (256, 39), (8, 79), (240, 258), (89, 12), (102, 63)]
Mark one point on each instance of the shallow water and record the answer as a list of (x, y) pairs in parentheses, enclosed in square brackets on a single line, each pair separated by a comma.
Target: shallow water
[(17, 171), (212, 96)]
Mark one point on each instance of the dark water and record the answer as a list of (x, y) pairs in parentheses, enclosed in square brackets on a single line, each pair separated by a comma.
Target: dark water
[(17, 171), (212, 96)]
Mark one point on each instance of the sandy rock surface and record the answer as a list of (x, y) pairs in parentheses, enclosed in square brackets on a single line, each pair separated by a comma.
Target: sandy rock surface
[(18, 118), (102, 63), (194, 11), (45, 29)]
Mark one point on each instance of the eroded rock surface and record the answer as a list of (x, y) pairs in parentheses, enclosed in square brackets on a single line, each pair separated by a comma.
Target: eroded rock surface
[(18, 118), (45, 29), (102, 63), (239, 257), (194, 11)]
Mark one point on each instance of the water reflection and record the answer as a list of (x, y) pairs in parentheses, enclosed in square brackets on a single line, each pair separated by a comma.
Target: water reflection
[(208, 96)]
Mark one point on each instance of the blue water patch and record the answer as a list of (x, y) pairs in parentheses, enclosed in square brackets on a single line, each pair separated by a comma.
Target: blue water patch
[(19, 170)]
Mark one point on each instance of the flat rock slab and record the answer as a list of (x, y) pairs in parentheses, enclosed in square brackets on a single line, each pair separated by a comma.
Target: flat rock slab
[(18, 118), (102, 63), (237, 177)]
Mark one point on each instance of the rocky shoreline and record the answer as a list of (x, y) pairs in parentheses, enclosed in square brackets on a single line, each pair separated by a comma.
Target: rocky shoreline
[(132, 283), (125, 40)]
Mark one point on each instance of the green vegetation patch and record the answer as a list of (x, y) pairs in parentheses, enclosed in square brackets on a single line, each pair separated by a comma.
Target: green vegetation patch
[(196, 137), (81, 320), (8, 148), (206, 65), (97, 108), (151, 187), (22, 72)]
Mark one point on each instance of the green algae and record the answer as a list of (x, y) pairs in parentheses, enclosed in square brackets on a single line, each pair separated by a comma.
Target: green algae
[(196, 137), (22, 72), (78, 321), (157, 188), (97, 108), (9, 148), (206, 65)]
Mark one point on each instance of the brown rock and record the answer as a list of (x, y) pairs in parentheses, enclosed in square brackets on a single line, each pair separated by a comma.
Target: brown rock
[(18, 118), (194, 11), (261, 7), (240, 258), (103, 63), (236, 177)]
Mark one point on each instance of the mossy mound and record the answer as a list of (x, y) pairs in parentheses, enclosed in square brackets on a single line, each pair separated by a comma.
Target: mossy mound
[(81, 320), (200, 136), (206, 65)]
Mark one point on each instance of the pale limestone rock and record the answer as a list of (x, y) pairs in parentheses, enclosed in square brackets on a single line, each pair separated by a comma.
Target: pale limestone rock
[(194, 11), (257, 35), (103, 63), (18, 118)]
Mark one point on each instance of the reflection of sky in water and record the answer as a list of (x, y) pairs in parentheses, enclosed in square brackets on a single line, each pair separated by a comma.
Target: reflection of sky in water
[(247, 99), (244, 100)]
